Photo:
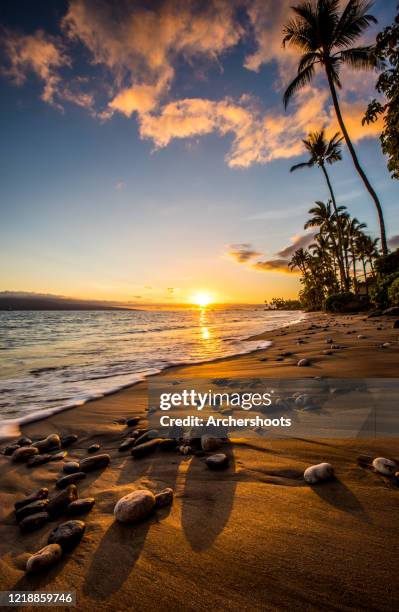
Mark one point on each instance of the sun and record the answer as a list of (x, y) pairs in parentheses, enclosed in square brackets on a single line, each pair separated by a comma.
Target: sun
[(202, 299)]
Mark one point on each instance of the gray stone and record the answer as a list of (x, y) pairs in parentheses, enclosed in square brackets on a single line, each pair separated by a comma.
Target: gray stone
[(151, 434), (219, 461), (126, 444), (44, 558), (40, 505), (58, 456), (164, 498), (67, 535), (210, 443), (96, 462), (36, 495), (38, 460), (8, 450), (65, 481), (142, 450), (23, 453), (58, 504), (24, 441), (134, 506), (81, 506), (71, 467), (52, 442), (303, 363), (68, 440), (393, 311), (33, 522), (93, 448)]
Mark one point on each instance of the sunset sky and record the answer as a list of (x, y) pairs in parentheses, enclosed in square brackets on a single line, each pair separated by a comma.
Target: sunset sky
[(146, 151)]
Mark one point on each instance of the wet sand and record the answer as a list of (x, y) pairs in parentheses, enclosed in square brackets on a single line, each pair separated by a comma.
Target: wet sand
[(252, 537)]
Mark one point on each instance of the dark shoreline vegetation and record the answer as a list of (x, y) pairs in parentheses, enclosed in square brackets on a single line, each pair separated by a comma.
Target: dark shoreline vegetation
[(345, 269)]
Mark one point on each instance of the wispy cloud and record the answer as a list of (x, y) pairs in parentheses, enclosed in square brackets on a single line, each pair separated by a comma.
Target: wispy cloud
[(242, 252)]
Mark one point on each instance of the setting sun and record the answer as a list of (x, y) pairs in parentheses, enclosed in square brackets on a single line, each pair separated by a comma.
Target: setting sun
[(202, 299)]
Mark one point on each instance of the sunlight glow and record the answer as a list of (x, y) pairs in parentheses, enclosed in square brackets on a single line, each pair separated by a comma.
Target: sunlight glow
[(202, 299)]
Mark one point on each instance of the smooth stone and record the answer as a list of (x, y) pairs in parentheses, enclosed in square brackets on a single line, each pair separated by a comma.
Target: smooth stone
[(210, 443), (318, 473), (58, 456), (142, 450), (58, 504), (365, 460), (40, 505), (71, 467), (80, 506), (95, 463), (386, 345), (303, 363), (384, 466), (145, 437), (328, 352), (23, 453), (33, 522), (35, 496), (93, 448), (396, 324), (65, 481), (167, 444), (374, 313), (164, 498), (52, 442), (361, 337), (38, 460), (44, 558), (393, 311), (126, 444), (134, 506), (8, 450), (67, 535), (132, 422), (24, 441), (68, 440), (220, 461)]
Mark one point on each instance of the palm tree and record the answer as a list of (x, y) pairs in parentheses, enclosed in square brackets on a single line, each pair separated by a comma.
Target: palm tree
[(325, 36), (321, 152), (354, 229)]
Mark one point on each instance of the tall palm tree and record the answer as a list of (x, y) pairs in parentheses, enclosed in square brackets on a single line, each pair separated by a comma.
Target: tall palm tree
[(325, 36), (354, 229), (324, 152)]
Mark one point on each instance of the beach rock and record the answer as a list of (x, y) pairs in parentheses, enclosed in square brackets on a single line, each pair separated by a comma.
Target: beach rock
[(93, 448), (318, 473), (134, 506), (23, 453), (219, 461), (81, 506), (396, 324), (33, 522), (361, 337), (335, 346), (164, 498), (126, 444), (8, 450), (52, 442), (58, 504), (374, 313), (132, 422), (65, 481), (393, 311), (35, 507), (40, 494), (44, 558), (328, 352), (386, 344), (210, 443), (67, 535), (58, 456), (97, 462), (24, 441), (365, 461), (71, 467), (303, 363), (151, 434), (142, 450), (68, 440), (38, 460), (167, 444), (384, 466)]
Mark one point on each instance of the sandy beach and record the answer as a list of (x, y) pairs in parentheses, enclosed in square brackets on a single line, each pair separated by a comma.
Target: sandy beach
[(252, 537)]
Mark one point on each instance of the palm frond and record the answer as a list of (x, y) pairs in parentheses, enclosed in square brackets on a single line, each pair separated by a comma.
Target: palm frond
[(359, 58), (302, 78), (307, 164), (354, 20)]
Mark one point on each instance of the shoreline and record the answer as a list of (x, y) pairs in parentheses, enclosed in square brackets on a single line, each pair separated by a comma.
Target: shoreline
[(254, 535), (9, 428)]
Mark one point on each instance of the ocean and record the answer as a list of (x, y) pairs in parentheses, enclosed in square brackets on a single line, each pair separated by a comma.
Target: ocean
[(53, 360)]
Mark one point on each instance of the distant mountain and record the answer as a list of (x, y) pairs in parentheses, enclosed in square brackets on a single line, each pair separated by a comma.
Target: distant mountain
[(34, 301)]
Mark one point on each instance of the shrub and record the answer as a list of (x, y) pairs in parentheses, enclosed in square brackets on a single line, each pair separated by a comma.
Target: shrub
[(344, 302), (393, 293), (387, 264), (379, 292)]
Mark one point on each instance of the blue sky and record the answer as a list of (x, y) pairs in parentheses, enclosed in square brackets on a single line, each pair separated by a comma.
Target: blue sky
[(139, 197)]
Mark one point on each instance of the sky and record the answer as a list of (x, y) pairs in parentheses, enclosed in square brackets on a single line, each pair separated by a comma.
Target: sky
[(146, 151)]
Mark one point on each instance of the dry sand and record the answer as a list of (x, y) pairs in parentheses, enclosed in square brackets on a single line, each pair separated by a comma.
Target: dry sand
[(253, 537)]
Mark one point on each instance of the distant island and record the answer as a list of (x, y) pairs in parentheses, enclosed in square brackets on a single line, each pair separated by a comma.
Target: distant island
[(32, 301)]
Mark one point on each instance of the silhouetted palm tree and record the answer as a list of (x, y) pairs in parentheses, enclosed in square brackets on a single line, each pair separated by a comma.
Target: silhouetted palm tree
[(325, 36), (324, 152)]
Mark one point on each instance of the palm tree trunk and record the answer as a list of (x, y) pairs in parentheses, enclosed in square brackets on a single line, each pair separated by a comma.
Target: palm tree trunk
[(365, 276), (354, 267), (358, 167), (344, 279)]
